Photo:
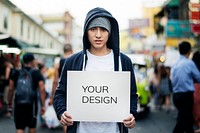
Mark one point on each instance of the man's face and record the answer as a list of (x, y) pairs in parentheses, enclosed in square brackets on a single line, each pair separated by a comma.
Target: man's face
[(98, 38), (34, 64)]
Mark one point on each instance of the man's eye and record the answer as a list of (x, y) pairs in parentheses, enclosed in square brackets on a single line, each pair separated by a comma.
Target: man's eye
[(93, 29), (103, 29)]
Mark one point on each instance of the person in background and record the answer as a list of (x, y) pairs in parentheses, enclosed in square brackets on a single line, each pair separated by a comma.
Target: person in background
[(8, 67), (153, 83), (3, 77), (50, 73), (164, 88), (183, 74), (25, 115), (8, 71), (16, 66), (100, 53), (43, 70), (68, 51), (5, 71), (196, 111)]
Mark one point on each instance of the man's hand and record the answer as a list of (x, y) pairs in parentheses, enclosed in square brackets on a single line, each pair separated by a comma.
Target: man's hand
[(66, 119), (129, 121)]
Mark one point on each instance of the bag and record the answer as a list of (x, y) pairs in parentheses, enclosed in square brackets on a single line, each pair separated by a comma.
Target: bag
[(51, 118), (24, 93)]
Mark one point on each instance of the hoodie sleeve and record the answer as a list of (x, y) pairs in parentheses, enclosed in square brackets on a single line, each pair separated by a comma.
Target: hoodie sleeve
[(127, 66), (74, 62), (134, 96), (60, 93)]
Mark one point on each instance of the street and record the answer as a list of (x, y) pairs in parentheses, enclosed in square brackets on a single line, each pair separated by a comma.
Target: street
[(157, 121)]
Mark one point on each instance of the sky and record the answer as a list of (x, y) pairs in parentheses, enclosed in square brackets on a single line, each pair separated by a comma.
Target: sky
[(122, 10)]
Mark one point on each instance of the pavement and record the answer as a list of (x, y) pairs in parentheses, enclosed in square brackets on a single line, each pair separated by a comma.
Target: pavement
[(7, 124), (157, 121)]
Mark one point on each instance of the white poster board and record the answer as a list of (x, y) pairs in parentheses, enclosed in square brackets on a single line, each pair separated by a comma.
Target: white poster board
[(98, 96)]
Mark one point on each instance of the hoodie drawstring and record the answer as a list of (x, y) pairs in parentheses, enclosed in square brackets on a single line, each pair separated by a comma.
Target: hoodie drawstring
[(120, 64), (83, 68)]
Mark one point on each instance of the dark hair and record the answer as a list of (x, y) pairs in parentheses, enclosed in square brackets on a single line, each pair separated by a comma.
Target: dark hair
[(67, 48), (40, 66), (28, 57), (163, 72), (184, 47)]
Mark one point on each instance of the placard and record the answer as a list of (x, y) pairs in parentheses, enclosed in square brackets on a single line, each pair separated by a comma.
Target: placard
[(98, 96)]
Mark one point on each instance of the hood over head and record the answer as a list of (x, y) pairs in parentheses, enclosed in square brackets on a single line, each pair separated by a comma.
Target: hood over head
[(113, 40)]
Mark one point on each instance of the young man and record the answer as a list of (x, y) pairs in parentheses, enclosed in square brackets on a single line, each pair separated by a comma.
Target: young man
[(100, 53), (183, 74), (25, 114)]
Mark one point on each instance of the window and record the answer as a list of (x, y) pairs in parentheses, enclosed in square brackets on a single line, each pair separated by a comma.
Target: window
[(22, 25), (5, 22), (29, 30)]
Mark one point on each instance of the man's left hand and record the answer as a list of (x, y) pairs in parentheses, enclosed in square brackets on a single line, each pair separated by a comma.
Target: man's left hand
[(129, 122)]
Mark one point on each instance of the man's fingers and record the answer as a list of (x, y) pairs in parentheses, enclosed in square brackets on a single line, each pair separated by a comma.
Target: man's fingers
[(130, 124), (66, 119), (129, 121)]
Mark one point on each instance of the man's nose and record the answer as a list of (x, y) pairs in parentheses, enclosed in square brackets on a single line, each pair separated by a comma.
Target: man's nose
[(98, 32)]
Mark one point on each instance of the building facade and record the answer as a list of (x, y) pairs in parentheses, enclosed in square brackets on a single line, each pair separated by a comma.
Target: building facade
[(20, 31)]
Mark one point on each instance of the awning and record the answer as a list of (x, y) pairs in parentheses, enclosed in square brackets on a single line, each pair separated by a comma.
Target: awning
[(13, 42), (173, 3)]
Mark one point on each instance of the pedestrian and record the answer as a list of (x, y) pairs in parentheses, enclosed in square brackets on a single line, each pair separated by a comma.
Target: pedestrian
[(43, 70), (8, 72), (183, 74), (100, 53), (24, 84), (3, 77), (164, 88), (196, 111), (153, 83), (67, 49)]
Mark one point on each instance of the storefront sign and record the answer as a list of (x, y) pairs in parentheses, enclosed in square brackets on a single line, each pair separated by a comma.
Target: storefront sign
[(178, 29), (194, 15), (195, 28)]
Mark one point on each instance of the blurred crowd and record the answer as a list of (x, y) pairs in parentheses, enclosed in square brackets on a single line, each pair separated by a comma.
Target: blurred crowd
[(50, 77), (179, 88), (7, 68), (160, 84)]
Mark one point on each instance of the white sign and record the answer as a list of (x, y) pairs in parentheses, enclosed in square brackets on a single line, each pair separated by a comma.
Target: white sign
[(98, 96)]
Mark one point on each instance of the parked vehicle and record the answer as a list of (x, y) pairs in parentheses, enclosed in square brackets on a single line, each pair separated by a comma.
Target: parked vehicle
[(140, 68)]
